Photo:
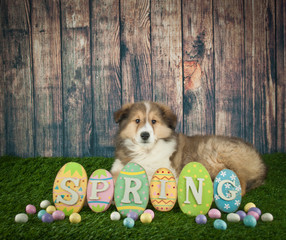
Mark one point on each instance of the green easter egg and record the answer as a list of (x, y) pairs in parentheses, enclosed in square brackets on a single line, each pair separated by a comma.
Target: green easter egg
[(195, 189)]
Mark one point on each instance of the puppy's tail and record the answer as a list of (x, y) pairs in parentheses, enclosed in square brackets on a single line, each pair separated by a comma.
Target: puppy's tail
[(258, 180)]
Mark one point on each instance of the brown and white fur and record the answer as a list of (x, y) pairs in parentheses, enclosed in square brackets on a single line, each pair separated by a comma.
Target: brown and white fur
[(147, 136)]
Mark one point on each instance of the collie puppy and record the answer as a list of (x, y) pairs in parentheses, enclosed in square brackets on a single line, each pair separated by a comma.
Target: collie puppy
[(147, 136)]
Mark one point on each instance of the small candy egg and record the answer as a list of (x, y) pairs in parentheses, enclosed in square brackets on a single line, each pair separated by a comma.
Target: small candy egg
[(248, 206), (255, 209), (47, 218), (241, 214), (51, 209), (146, 218), (115, 216), (201, 219), (31, 209), (233, 217), (214, 213), (128, 222), (267, 217), (45, 204), (58, 215), (41, 213), (75, 218), (151, 212), (254, 214), (133, 215), (220, 224), (21, 218), (250, 221)]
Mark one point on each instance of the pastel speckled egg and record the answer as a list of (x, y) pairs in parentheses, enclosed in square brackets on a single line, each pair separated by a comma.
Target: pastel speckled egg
[(21, 218), (58, 215), (47, 218), (249, 221), (51, 209), (115, 216), (227, 191), (151, 212), (233, 217), (255, 209), (195, 189), (45, 204), (220, 224), (254, 214), (267, 217), (100, 190), (163, 190), (41, 213), (241, 214), (133, 215), (214, 213), (128, 222), (69, 190), (248, 206), (131, 189), (146, 218), (201, 219), (75, 218), (31, 209)]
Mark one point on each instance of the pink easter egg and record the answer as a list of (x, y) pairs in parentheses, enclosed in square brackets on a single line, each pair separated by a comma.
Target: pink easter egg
[(254, 214), (58, 215), (214, 213), (31, 209)]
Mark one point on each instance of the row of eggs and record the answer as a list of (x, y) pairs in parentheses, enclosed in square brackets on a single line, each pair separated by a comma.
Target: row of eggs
[(195, 190)]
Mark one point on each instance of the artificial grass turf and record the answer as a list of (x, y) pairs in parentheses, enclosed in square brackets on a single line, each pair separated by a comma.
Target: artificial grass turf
[(29, 181)]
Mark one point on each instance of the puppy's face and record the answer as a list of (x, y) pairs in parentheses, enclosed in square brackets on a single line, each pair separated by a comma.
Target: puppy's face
[(144, 123)]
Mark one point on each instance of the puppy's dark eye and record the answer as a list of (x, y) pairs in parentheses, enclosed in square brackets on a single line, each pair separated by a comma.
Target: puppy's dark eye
[(137, 120), (154, 121)]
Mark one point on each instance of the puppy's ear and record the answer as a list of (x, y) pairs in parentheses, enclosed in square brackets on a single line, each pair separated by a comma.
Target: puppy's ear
[(122, 113), (169, 116)]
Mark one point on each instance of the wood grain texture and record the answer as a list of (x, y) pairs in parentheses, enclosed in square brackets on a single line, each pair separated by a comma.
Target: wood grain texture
[(2, 84), (260, 62), (77, 101), (16, 79), (229, 56), (166, 42), (47, 77), (199, 112), (281, 74), (135, 50), (106, 74)]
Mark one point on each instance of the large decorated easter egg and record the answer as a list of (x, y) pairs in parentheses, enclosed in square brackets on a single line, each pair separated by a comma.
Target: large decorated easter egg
[(100, 190), (163, 190), (227, 191), (69, 190), (131, 192), (195, 189)]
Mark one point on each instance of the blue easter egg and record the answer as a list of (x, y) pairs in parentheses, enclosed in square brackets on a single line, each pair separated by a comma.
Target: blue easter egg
[(220, 224), (227, 191), (250, 221), (41, 214), (201, 219), (128, 222)]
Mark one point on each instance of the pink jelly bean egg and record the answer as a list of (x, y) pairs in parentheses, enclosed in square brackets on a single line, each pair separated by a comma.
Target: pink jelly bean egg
[(214, 213), (254, 214), (31, 209), (151, 212), (58, 215)]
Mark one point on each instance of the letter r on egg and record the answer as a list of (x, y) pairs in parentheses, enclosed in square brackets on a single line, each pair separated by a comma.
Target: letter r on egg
[(133, 190)]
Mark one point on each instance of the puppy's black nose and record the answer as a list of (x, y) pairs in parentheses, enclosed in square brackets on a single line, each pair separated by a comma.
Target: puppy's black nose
[(145, 135)]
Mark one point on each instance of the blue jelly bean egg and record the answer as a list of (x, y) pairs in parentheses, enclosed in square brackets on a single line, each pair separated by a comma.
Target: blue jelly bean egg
[(128, 222), (250, 221), (220, 224), (41, 214)]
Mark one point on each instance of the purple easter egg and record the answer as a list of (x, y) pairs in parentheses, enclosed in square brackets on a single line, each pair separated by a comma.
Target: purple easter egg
[(133, 215), (48, 218), (201, 219), (255, 209), (241, 214), (31, 209), (58, 215)]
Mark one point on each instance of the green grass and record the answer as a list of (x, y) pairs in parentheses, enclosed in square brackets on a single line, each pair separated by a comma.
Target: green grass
[(29, 181)]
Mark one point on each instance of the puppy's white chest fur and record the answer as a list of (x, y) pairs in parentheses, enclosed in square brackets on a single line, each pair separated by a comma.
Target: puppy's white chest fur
[(158, 156)]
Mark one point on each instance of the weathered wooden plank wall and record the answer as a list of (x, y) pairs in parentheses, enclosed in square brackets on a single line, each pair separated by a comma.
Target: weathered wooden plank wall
[(66, 66)]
